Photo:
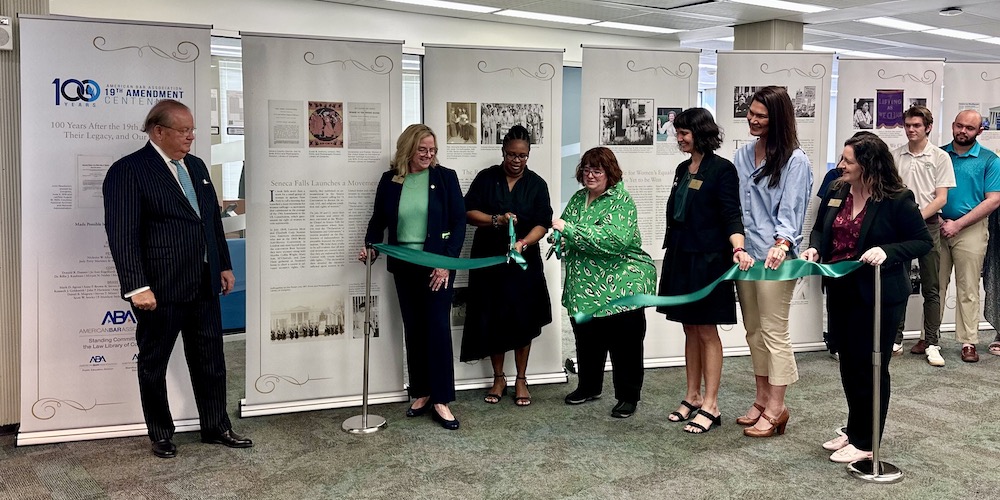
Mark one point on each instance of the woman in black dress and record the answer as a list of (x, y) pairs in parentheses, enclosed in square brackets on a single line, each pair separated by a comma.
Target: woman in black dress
[(507, 306), (704, 238)]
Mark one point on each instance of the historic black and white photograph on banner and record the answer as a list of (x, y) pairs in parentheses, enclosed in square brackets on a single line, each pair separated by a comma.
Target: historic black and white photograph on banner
[(741, 99), (461, 122), (665, 131), (804, 101), (497, 118), (315, 313), (326, 124), (358, 307), (627, 122), (917, 101), (864, 114)]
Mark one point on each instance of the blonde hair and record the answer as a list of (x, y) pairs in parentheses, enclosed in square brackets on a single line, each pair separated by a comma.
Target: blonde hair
[(406, 147)]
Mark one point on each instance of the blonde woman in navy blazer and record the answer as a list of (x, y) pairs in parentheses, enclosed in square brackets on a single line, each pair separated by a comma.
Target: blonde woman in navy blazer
[(425, 294), (867, 215)]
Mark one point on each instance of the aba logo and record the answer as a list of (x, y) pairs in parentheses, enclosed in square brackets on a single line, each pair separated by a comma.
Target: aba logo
[(118, 317), (97, 360), (73, 90)]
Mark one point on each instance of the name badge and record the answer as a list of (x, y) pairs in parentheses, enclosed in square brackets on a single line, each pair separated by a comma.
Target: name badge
[(835, 202), (397, 179), (695, 184), (445, 235)]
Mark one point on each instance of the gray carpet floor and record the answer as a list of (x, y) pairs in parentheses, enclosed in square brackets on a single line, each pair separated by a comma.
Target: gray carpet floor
[(943, 430)]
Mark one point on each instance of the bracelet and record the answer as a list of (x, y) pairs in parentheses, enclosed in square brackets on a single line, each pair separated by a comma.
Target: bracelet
[(494, 219), (738, 250), (783, 244), (524, 244)]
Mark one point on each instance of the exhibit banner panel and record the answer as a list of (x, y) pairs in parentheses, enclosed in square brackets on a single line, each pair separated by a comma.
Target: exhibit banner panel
[(86, 87), (472, 97), (322, 117), (629, 99), (807, 77)]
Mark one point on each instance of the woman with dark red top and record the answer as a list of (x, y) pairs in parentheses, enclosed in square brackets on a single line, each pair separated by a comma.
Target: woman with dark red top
[(867, 215)]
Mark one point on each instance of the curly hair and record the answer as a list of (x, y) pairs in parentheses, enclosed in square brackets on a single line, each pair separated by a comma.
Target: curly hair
[(600, 157), (878, 169)]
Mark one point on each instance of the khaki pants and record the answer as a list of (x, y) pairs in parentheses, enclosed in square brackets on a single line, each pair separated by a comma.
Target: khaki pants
[(765, 306), (965, 252)]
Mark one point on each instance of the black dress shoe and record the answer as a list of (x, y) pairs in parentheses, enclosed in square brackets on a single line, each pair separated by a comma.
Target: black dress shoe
[(624, 409), (164, 448), (578, 397), (228, 438), (451, 425), (418, 412)]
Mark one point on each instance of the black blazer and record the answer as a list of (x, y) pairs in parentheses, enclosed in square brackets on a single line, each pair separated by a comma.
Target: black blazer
[(445, 213), (713, 210), (894, 224), (156, 238)]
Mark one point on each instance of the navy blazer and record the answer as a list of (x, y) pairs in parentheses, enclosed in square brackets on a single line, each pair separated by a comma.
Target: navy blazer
[(445, 213), (712, 211), (156, 238), (894, 224)]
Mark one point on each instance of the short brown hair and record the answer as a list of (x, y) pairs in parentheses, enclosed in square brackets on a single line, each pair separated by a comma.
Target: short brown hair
[(160, 113), (406, 147), (918, 111), (600, 157)]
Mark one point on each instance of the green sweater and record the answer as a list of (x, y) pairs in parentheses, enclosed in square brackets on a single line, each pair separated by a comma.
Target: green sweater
[(604, 257)]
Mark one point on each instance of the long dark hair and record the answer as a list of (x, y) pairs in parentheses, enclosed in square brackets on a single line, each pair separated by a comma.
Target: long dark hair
[(782, 138), (878, 169), (706, 133)]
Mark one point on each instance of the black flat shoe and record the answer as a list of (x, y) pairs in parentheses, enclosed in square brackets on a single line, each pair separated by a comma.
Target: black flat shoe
[(228, 438), (164, 448), (577, 397), (417, 412), (451, 425), (624, 409)]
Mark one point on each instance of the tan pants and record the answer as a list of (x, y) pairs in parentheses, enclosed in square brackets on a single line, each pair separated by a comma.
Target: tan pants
[(765, 307), (965, 252)]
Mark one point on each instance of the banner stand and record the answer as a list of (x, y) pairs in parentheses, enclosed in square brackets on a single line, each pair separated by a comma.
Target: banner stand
[(365, 423), (872, 470)]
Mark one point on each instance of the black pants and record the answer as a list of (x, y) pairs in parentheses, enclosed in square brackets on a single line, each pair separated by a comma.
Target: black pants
[(200, 325), (851, 322), (620, 334), (427, 330)]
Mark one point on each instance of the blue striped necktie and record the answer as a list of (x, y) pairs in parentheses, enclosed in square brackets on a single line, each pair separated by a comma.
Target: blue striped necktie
[(186, 185)]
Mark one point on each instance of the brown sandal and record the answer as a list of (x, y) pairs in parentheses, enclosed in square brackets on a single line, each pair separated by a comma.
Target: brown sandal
[(745, 420)]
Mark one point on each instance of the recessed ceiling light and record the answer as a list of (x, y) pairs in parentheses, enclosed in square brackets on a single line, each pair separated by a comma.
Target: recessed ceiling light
[(636, 27), (891, 22), (963, 35), (538, 16), (441, 4), (950, 11), (781, 4)]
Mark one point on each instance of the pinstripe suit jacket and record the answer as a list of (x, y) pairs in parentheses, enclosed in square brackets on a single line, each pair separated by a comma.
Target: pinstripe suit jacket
[(156, 238)]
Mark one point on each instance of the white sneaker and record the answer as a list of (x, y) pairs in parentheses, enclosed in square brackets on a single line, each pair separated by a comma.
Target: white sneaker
[(897, 349), (934, 355)]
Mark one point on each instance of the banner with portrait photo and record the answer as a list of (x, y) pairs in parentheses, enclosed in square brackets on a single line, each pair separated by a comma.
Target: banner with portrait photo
[(322, 116), (86, 87), (472, 97), (807, 77)]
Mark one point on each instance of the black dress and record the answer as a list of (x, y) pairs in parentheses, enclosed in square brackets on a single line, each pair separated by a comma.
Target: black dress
[(698, 250), (506, 306)]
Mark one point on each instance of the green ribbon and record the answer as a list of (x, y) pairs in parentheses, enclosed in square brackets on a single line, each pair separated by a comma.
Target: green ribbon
[(556, 248), (437, 261), (789, 270)]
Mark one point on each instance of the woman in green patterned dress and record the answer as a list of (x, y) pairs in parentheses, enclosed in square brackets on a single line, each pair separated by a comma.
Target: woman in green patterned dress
[(604, 262)]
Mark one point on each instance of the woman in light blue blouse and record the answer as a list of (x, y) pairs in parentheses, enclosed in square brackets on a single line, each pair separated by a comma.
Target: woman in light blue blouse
[(775, 186)]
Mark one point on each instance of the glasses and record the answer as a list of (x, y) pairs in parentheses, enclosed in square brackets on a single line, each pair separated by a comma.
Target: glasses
[(515, 157), (427, 151), (183, 131), (596, 172)]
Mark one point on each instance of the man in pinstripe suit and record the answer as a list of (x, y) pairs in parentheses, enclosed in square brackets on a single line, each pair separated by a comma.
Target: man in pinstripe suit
[(165, 234)]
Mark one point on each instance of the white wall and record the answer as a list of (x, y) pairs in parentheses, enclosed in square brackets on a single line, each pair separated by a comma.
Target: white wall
[(313, 17)]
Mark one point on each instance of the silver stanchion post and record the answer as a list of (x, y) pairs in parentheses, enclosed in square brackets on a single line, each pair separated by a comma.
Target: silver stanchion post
[(365, 423), (873, 470)]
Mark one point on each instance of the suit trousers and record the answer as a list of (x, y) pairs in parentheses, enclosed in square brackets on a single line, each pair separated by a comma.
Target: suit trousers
[(930, 276), (427, 331), (765, 306), (199, 323), (620, 334), (966, 252), (852, 325)]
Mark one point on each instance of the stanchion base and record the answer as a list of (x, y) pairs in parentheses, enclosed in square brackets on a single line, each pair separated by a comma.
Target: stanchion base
[(355, 425), (862, 469)]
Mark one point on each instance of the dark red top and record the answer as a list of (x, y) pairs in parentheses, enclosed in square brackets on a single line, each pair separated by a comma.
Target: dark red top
[(846, 231)]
